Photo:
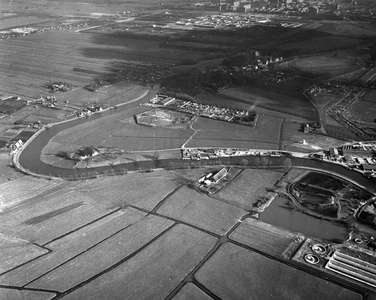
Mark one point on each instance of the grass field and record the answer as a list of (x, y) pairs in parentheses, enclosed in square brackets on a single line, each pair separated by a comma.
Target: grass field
[(292, 137), (73, 245), (191, 291), (287, 101), (349, 29), (329, 65), (191, 206), (249, 273), (263, 237), (17, 252), (81, 268), (29, 63), (122, 190), (322, 44), (245, 189), (15, 191), (211, 133), (107, 96), (119, 131), (155, 271), (365, 109)]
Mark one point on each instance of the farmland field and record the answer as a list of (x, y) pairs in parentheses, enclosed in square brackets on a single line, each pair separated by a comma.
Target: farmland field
[(293, 137), (26, 188), (190, 206), (262, 236), (119, 131), (350, 30), (17, 252), (190, 291), (323, 44), (249, 273), (81, 268), (329, 64), (155, 270), (211, 133), (292, 103), (365, 109), (245, 188), (123, 190), (72, 245), (106, 96), (59, 56), (114, 131)]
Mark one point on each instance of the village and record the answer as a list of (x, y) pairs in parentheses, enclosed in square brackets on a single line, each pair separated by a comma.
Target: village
[(209, 111)]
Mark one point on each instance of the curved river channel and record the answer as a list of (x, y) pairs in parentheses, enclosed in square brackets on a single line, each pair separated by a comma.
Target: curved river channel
[(30, 158)]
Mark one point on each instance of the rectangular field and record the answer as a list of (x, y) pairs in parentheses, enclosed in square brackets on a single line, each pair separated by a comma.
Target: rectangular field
[(105, 255), (71, 245), (263, 237), (211, 133), (123, 190), (245, 189), (236, 273), (280, 100), (153, 272), (200, 210)]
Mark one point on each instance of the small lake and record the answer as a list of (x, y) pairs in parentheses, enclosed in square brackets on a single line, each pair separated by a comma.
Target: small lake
[(280, 215)]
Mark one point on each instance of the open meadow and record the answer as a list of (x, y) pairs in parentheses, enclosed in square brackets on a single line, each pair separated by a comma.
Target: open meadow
[(188, 205), (288, 101), (327, 64), (212, 133), (365, 108), (246, 188), (245, 272), (120, 131)]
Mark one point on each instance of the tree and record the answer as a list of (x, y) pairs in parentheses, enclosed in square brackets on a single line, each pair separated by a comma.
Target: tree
[(287, 164), (244, 162), (264, 161)]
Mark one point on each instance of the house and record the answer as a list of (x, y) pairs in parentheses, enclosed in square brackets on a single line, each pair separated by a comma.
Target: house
[(15, 146), (213, 177), (333, 152), (87, 152)]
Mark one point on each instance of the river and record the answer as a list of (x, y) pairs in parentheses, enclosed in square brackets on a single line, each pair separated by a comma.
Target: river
[(30, 158), (279, 214)]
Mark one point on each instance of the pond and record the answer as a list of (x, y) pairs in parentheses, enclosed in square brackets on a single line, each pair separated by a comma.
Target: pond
[(279, 214)]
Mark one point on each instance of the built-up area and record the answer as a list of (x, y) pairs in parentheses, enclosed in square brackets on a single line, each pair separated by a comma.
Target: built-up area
[(341, 109), (209, 111), (360, 156), (340, 8), (211, 153), (25, 126)]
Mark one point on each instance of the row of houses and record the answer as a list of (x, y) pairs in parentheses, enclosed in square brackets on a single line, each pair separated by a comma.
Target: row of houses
[(198, 109)]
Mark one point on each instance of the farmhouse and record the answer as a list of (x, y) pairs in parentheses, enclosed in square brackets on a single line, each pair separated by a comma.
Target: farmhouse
[(213, 178), (15, 146), (333, 152), (87, 152)]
